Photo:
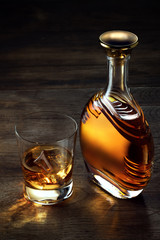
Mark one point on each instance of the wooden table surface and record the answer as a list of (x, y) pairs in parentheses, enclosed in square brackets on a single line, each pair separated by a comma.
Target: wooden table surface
[(50, 59)]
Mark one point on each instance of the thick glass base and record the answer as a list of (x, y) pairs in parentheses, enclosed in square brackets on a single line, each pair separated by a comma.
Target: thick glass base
[(48, 197), (109, 185)]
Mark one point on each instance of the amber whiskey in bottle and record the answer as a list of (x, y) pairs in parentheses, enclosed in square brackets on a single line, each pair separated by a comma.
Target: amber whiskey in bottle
[(115, 137)]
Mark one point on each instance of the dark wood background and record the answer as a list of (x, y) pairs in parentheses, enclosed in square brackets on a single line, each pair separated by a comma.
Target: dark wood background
[(50, 58)]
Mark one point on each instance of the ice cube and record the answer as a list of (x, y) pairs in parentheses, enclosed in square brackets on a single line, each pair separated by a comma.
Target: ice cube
[(43, 163), (47, 161), (58, 156)]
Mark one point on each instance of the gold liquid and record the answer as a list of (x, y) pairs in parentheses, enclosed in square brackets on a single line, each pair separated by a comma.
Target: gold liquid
[(119, 145), (37, 175)]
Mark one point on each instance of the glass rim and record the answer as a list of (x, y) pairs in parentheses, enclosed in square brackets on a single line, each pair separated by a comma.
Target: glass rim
[(37, 112)]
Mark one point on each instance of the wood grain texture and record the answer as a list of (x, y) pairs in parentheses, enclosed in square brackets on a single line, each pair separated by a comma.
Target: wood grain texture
[(89, 213), (50, 59)]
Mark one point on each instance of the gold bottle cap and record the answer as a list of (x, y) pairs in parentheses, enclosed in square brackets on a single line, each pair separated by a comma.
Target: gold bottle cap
[(118, 42)]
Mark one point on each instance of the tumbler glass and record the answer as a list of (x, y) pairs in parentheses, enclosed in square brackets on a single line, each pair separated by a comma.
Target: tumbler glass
[(46, 143)]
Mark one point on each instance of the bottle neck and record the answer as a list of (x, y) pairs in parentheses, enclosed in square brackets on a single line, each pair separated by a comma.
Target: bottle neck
[(117, 75)]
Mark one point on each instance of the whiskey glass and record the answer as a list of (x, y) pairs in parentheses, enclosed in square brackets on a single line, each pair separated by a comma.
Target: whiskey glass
[(46, 144)]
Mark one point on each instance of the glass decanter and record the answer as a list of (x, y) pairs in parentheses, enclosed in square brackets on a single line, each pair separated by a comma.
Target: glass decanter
[(116, 140)]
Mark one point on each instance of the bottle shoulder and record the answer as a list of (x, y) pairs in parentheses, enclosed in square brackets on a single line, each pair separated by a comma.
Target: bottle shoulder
[(120, 105), (124, 114)]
